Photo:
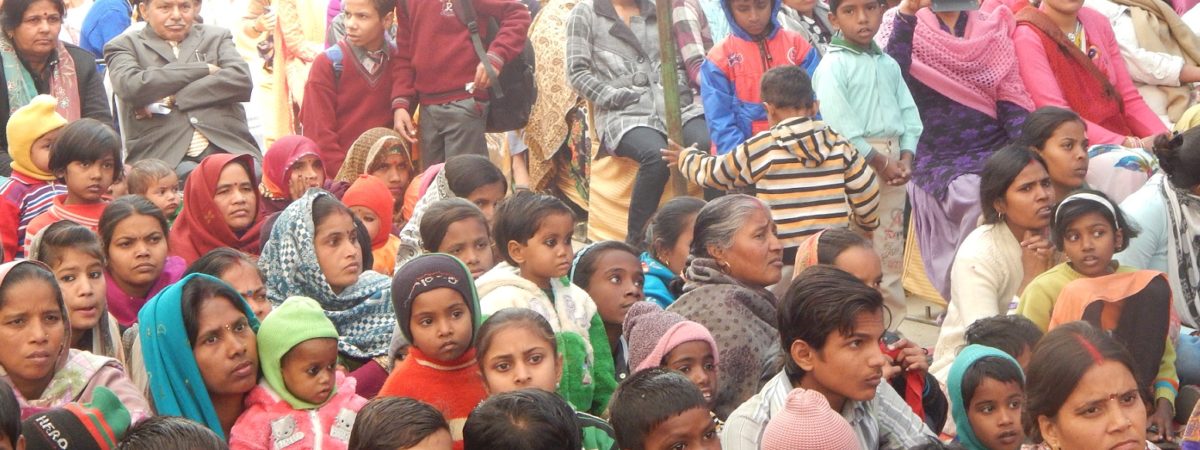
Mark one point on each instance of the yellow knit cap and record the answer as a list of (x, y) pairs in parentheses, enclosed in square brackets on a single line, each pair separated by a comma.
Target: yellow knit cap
[(25, 126)]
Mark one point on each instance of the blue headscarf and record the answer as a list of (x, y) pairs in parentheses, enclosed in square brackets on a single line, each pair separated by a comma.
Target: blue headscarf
[(965, 359), (362, 312), (175, 382)]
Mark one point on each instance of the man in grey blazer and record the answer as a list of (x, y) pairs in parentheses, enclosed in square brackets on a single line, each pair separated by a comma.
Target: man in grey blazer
[(180, 87)]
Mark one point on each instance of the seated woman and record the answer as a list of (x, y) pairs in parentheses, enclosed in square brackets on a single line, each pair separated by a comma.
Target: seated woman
[(200, 350), (314, 251), (962, 71), (220, 208), (382, 152), (43, 371), (1001, 257), (133, 233), (240, 272), (735, 256), (620, 75), (472, 177), (1070, 58), (1081, 392), (1160, 51), (290, 167)]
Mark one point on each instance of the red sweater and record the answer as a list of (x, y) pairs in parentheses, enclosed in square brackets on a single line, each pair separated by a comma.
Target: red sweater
[(453, 387), (336, 113), (437, 59)]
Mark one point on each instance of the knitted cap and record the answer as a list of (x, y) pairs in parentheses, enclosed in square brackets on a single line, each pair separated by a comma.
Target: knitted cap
[(371, 192), (808, 422), (426, 273), (97, 425), (297, 320), (25, 126), (652, 333)]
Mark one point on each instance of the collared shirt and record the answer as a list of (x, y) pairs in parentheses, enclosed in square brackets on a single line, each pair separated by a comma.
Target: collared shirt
[(884, 422), (863, 96), (371, 60)]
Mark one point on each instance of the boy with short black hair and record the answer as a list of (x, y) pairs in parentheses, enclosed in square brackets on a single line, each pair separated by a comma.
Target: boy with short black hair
[(831, 325), (159, 432), (987, 397), (391, 423), (657, 409), (794, 166), (341, 99), (1013, 334), (865, 99)]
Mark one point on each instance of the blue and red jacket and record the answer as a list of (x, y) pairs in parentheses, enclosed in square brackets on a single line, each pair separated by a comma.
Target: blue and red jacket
[(730, 77)]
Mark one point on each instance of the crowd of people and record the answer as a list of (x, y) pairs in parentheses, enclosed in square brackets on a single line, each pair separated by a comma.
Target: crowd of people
[(516, 224)]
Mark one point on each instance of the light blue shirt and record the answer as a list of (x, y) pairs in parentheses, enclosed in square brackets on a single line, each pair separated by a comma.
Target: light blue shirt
[(1147, 210), (863, 96)]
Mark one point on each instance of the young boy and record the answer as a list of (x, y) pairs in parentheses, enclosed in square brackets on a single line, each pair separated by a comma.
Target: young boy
[(398, 423), (155, 180), (729, 77), (831, 325), (865, 99), (438, 69), (987, 394), (790, 166), (438, 313), (1012, 334), (660, 409), (340, 99), (526, 419)]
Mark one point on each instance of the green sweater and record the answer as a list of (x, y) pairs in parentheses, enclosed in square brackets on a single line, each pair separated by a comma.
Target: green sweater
[(1037, 304), (597, 434)]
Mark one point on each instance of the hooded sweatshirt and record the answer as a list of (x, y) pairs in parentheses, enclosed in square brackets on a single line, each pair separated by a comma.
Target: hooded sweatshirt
[(730, 77), (808, 175), (269, 422), (588, 378), (657, 286)]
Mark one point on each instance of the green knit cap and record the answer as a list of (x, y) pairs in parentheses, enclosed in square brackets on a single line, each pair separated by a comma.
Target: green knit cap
[(297, 320)]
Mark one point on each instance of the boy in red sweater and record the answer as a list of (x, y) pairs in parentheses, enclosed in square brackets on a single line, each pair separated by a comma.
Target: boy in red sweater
[(341, 98), (438, 312), (438, 69)]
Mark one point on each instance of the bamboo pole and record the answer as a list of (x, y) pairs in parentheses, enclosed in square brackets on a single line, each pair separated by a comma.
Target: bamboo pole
[(670, 84)]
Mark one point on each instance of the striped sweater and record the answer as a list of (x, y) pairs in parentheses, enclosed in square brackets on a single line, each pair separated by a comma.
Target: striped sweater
[(22, 198), (87, 215), (806, 173)]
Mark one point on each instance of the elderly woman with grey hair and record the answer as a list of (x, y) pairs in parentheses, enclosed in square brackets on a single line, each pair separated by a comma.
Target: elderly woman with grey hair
[(735, 255)]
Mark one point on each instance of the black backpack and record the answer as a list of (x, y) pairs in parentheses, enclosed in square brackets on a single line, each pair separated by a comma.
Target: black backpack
[(513, 90)]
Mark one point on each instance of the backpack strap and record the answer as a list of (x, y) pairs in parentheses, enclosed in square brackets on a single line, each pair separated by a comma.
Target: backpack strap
[(335, 56), (465, 11)]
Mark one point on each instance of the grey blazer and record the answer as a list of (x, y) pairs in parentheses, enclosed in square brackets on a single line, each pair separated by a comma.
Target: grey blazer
[(144, 70)]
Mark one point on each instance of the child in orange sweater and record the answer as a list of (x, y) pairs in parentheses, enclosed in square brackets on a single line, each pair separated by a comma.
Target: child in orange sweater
[(438, 312)]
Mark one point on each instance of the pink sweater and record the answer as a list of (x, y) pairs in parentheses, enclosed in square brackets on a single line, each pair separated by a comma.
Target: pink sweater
[(269, 422), (1044, 88)]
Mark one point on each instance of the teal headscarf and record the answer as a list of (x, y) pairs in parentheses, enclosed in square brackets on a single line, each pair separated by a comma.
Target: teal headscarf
[(175, 381), (965, 359)]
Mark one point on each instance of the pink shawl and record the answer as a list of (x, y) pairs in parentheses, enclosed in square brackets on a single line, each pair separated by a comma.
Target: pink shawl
[(976, 70)]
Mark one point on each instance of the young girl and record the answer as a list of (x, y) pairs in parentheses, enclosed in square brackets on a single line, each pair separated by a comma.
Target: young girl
[(611, 274), (73, 252), (844, 249), (87, 159), (517, 350), (133, 234), (987, 395), (303, 398), (533, 235), (1059, 136), (32, 131), (368, 198), (457, 227), (660, 338), (42, 370), (665, 250), (472, 177), (438, 312), (291, 166), (1081, 392), (240, 272)]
